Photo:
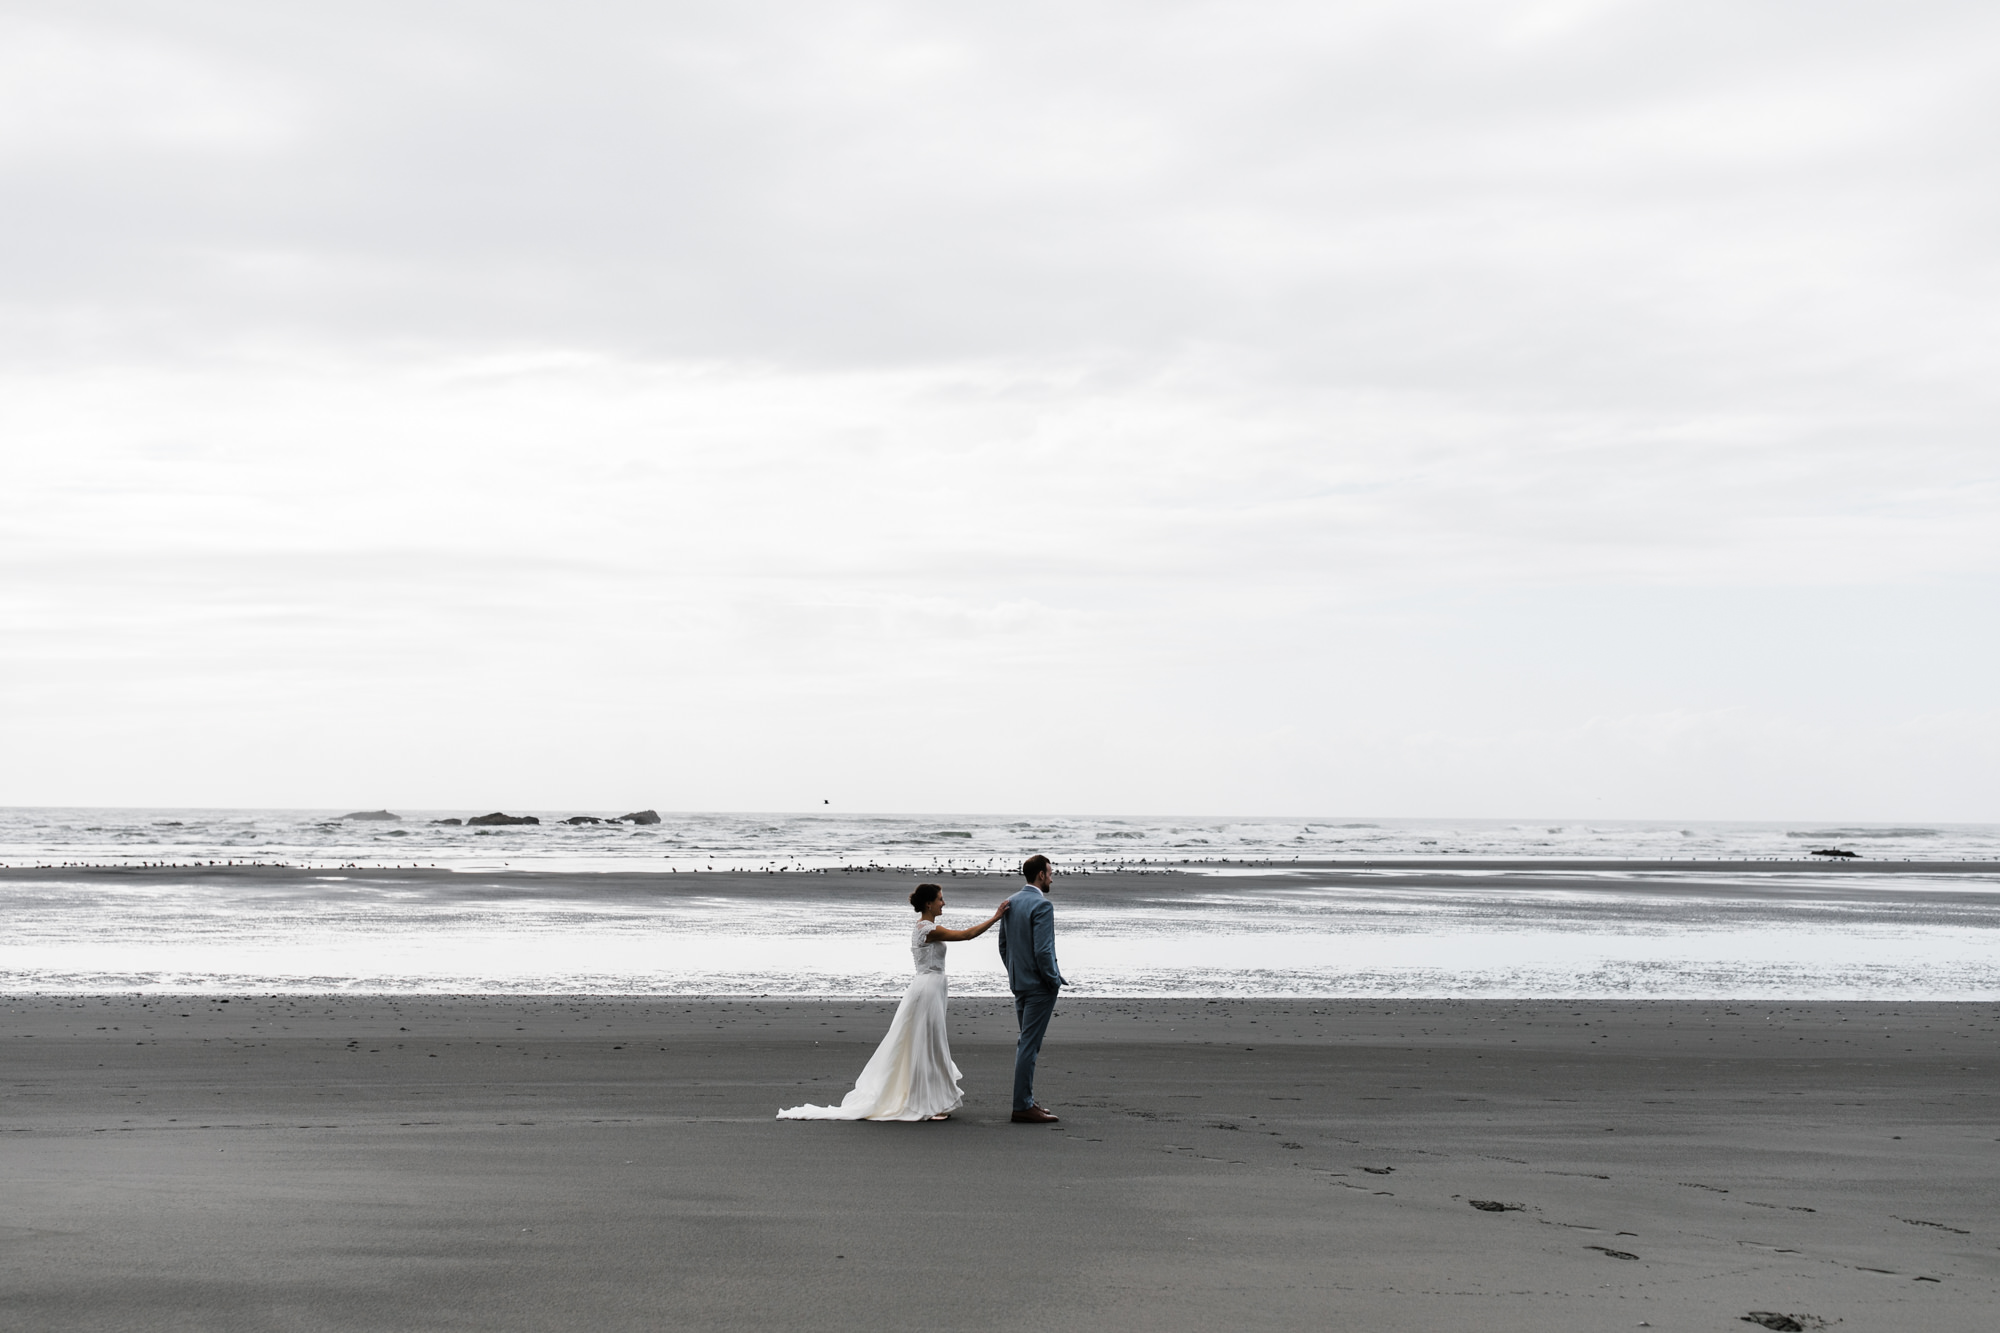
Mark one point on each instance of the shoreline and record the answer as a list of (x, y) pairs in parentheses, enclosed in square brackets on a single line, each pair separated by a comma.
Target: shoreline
[(1747, 931)]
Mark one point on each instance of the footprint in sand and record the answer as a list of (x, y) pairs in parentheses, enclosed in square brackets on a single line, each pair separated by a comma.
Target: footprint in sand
[(1495, 1206)]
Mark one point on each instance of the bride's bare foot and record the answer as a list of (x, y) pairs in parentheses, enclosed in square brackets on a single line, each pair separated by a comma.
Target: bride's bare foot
[(942, 1115)]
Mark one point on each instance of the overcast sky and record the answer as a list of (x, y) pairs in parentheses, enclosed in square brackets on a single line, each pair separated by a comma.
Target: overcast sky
[(1474, 409)]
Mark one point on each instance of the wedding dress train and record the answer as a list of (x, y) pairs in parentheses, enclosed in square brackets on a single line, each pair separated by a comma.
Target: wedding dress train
[(910, 1076)]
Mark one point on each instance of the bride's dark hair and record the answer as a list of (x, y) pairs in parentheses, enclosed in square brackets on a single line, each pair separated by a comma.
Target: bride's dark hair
[(921, 896)]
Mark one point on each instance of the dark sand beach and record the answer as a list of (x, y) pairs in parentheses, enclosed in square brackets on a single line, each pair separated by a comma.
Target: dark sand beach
[(482, 1163)]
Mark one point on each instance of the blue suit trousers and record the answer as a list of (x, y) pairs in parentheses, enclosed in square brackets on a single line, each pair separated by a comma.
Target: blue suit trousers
[(1032, 1010)]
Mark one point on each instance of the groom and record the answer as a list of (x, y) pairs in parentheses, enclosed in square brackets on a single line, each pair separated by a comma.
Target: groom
[(1028, 948)]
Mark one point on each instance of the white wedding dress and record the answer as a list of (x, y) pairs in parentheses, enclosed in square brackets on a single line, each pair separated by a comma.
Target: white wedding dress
[(910, 1076)]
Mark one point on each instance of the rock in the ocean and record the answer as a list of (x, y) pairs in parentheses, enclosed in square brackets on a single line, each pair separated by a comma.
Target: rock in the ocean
[(497, 818), (371, 814), (1833, 851), (585, 819), (453, 820), (641, 817)]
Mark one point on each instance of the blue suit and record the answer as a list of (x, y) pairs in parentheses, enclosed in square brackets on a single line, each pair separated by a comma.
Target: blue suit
[(1028, 948)]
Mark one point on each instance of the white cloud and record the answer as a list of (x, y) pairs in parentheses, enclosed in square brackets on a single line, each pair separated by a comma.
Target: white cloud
[(68, 93), (1196, 385)]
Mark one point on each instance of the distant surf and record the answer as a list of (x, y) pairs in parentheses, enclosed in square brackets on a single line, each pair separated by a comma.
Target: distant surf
[(476, 839)]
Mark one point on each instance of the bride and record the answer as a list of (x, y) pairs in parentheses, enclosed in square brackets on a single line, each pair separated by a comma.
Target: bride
[(911, 1076)]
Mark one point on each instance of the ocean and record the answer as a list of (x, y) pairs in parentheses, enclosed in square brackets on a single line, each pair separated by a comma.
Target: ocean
[(278, 901)]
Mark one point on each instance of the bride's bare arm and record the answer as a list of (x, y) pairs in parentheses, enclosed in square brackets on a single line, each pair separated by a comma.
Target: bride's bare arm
[(953, 936)]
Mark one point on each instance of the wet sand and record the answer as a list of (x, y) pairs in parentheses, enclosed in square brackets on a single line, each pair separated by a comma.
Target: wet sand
[(480, 1163)]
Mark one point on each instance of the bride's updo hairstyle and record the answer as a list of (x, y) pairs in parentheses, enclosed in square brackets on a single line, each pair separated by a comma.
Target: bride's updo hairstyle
[(923, 894)]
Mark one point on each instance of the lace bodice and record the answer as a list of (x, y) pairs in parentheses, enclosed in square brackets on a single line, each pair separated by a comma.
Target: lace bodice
[(929, 955)]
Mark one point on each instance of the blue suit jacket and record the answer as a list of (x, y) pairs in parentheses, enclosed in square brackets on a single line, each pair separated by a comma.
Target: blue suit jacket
[(1028, 942)]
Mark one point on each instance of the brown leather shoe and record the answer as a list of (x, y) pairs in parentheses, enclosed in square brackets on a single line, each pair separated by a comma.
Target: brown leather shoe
[(1035, 1115)]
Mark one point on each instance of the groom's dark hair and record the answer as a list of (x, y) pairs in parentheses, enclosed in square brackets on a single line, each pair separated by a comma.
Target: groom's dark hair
[(1032, 868)]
